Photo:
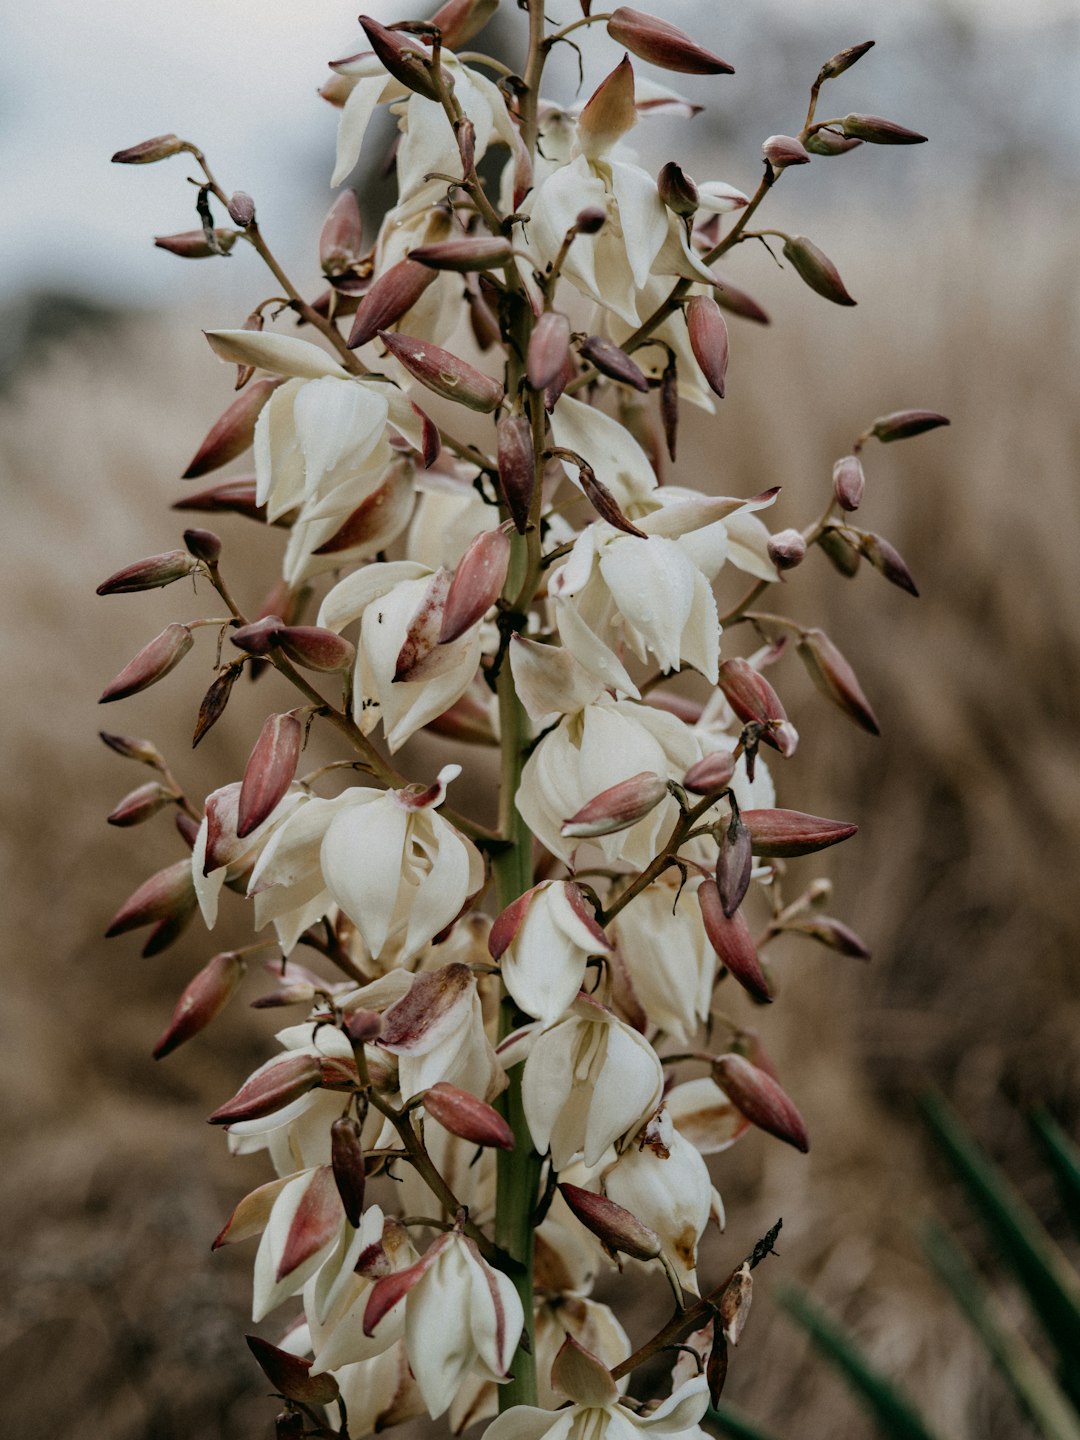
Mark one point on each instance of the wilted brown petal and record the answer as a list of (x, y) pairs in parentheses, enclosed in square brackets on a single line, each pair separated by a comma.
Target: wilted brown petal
[(735, 1303), (215, 700), (290, 1375)]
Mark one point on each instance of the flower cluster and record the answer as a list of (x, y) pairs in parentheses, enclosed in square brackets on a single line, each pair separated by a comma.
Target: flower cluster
[(507, 1067)]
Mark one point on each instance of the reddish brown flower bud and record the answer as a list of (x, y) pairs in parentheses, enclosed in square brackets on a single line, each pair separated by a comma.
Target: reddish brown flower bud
[(132, 748), (482, 320), (517, 467), (828, 142), (876, 131), (477, 583), (843, 61), (713, 773), (202, 1000), (735, 1304), (669, 406), (549, 349), (886, 558), (140, 804), (194, 244), (460, 20), (204, 545), (347, 1162), (677, 190), (760, 1099), (733, 865), (707, 328), (341, 235), (737, 302), (789, 832), (472, 252), (444, 373), (716, 1368), (270, 770), (848, 482), (260, 637), (290, 1375), (465, 135), (277, 1084), (730, 938), (842, 556), (833, 933), (404, 57), (750, 695), (662, 44), (613, 362), (149, 151), (187, 828), (232, 433), (618, 807), (591, 220), (614, 1226), (165, 896), (815, 267), (467, 1117), (363, 1025), (241, 209), (229, 497), (214, 701), (149, 574), (902, 424), (787, 548), (314, 648), (784, 150), (835, 678), (391, 296), (151, 664)]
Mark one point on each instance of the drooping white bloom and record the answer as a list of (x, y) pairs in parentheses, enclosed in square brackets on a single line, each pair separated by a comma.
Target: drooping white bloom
[(588, 1080), (335, 1299), (449, 514), (671, 966), (219, 854), (542, 943), (437, 1033), (662, 1179), (379, 1392)]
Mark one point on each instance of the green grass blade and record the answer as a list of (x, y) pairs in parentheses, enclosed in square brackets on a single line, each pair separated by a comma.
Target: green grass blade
[(1051, 1284), (1033, 1385), (893, 1413), (733, 1425), (1064, 1158)]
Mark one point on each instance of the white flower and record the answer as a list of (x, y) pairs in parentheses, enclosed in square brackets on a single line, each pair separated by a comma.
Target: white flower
[(379, 1392), (661, 941), (587, 1082), (335, 1299), (542, 943), (437, 1033)]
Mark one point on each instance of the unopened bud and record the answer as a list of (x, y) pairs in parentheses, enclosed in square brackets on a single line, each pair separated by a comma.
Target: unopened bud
[(610, 360), (477, 583), (877, 131), (677, 190), (591, 220), (828, 142), (141, 804), (273, 1087), (474, 252), (787, 548), (289, 1425), (151, 664), (816, 269), (885, 557), (196, 245), (235, 497), (669, 406), (848, 482), (241, 209), (259, 637), (714, 773), (662, 44), (132, 748), (615, 1227), (609, 112), (835, 678), (784, 150), (482, 319), (362, 1026), (341, 235), (752, 698), (187, 828), (905, 423), (290, 1375), (735, 1304), (313, 648), (843, 61), (204, 545), (549, 348), (761, 1099), (347, 1162), (716, 1368), (232, 433), (517, 467), (833, 933), (201, 1001), (618, 807), (404, 57), (843, 557), (214, 701), (459, 20), (734, 864), (730, 938), (788, 833), (149, 151), (392, 295), (149, 574), (444, 373), (737, 302), (165, 896), (707, 329), (269, 771), (467, 1117)]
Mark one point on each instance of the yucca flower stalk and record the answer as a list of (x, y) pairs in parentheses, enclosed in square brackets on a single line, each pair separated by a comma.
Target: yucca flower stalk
[(514, 1020)]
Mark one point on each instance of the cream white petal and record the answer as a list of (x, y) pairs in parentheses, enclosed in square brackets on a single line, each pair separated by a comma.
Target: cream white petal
[(547, 1081), (361, 859), (590, 651), (283, 354), (642, 216), (356, 115), (527, 1422), (682, 1410), (617, 458), (748, 545), (549, 680), (652, 583), (268, 1291), (337, 421), (628, 1087), (350, 597)]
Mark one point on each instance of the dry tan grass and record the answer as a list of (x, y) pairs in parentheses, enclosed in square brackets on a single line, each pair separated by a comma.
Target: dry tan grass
[(119, 1324)]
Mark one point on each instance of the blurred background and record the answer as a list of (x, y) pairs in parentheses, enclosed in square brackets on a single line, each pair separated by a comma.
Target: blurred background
[(962, 254)]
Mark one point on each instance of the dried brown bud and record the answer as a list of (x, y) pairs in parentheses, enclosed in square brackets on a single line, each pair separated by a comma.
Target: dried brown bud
[(730, 938), (835, 678), (662, 44), (618, 807), (473, 252), (609, 111), (833, 933), (241, 209), (876, 131), (194, 244), (707, 328), (735, 1303), (784, 150), (677, 190), (815, 267), (149, 574), (140, 804), (229, 497), (275, 1085), (204, 545), (392, 295), (151, 664), (787, 548), (760, 1098), (477, 583), (737, 302), (269, 771), (149, 151), (517, 467), (313, 648), (789, 832), (347, 1162), (233, 431), (460, 20), (404, 57), (215, 700), (843, 61), (827, 142), (290, 1375), (202, 1000), (669, 406), (467, 1117), (842, 556), (168, 895), (613, 362), (886, 558), (549, 349), (444, 373), (733, 865), (614, 1226), (341, 235), (711, 774), (132, 748), (716, 1368), (848, 482), (905, 423)]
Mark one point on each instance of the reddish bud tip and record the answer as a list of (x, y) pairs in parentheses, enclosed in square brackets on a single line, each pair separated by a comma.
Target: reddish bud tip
[(737, 302), (235, 497), (149, 574), (662, 44), (269, 771), (843, 61), (734, 864), (618, 807), (168, 895), (140, 804), (849, 482), (613, 1225), (787, 548), (404, 57), (903, 424), (835, 678), (151, 664), (549, 349), (752, 697), (474, 252), (591, 220), (884, 556), (391, 296), (613, 362), (707, 328), (517, 467), (788, 833), (259, 637), (714, 773), (816, 269), (443, 372), (197, 244), (477, 584), (467, 1117), (730, 938), (273, 1087), (233, 431), (877, 131), (833, 933), (132, 748), (677, 190), (761, 1099), (202, 1000), (459, 20)]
